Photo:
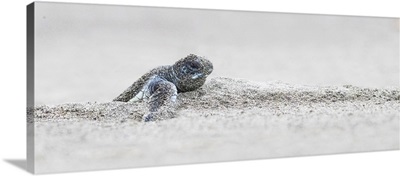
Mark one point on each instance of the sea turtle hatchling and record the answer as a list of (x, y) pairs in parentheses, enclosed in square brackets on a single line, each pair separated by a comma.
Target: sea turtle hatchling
[(160, 86)]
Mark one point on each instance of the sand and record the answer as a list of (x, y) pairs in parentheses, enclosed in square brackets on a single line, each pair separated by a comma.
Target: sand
[(227, 119)]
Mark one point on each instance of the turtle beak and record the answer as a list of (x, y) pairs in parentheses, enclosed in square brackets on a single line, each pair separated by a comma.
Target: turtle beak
[(208, 66), (210, 70)]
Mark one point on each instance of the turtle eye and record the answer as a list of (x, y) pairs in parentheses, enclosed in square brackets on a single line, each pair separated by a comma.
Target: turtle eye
[(194, 65)]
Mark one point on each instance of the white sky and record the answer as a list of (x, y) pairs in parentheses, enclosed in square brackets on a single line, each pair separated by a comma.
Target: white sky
[(93, 52)]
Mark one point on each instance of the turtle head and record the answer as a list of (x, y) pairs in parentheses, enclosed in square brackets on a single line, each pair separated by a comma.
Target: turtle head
[(191, 72)]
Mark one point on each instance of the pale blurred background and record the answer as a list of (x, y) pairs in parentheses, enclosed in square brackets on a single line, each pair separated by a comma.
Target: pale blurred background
[(94, 52)]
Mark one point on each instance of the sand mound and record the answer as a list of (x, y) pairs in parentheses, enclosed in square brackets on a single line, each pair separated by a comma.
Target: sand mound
[(224, 93), (226, 119)]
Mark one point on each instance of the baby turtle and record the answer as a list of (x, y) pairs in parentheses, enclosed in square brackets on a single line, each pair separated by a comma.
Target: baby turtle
[(160, 86)]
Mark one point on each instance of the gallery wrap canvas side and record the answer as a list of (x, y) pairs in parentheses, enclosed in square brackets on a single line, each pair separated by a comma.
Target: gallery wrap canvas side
[(30, 75)]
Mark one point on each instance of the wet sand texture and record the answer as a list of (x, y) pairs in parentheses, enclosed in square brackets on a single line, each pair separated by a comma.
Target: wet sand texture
[(225, 120)]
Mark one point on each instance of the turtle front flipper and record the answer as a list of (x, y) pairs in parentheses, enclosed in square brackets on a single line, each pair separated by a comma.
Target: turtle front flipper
[(162, 100), (134, 89), (130, 92)]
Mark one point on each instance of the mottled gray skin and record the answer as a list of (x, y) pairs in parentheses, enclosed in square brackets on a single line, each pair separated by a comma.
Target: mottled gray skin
[(161, 85)]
